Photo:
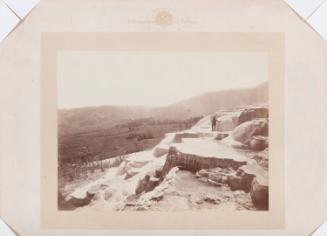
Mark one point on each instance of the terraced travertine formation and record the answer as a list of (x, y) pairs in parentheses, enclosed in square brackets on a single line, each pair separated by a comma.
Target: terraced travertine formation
[(190, 170)]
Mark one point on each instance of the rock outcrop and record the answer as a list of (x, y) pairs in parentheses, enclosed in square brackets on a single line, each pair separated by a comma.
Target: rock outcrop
[(240, 181), (195, 163), (216, 176), (160, 150), (249, 181), (221, 135), (259, 195), (163, 147), (235, 179), (245, 132), (259, 185), (79, 202), (148, 183), (258, 143), (252, 113), (262, 158), (227, 120), (131, 166), (226, 123), (230, 167)]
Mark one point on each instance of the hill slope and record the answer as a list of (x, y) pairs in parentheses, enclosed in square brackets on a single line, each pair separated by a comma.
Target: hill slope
[(88, 119)]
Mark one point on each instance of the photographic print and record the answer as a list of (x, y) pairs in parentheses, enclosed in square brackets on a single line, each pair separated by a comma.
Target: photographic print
[(163, 127), (163, 131)]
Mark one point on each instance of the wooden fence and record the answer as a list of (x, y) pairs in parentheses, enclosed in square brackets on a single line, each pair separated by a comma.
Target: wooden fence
[(83, 169)]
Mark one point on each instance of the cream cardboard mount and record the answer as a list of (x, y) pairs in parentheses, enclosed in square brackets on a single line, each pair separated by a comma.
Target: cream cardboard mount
[(305, 58)]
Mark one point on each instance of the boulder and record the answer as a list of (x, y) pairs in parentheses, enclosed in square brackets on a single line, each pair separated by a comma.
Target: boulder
[(259, 195), (258, 143), (244, 132), (264, 129), (240, 181), (79, 202), (259, 185)]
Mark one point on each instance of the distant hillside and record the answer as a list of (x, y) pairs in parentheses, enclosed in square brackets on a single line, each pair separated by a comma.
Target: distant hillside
[(81, 120), (89, 119), (212, 101)]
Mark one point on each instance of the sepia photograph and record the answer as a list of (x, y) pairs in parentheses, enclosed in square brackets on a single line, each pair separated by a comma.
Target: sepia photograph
[(163, 131)]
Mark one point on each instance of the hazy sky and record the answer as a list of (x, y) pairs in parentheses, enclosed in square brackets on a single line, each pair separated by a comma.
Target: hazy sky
[(152, 78)]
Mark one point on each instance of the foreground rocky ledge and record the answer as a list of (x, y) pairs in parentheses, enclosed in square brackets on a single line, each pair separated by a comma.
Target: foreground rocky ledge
[(195, 163), (193, 169), (238, 175)]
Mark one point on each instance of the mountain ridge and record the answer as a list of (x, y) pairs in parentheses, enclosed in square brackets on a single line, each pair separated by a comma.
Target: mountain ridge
[(75, 120)]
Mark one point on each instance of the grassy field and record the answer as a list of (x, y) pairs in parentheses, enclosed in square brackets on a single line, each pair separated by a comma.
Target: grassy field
[(128, 137)]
